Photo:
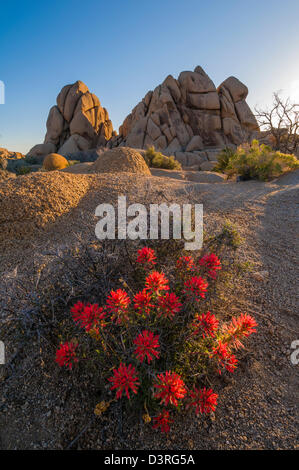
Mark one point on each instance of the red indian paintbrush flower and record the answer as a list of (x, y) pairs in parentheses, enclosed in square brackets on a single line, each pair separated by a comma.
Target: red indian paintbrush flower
[(240, 327), (89, 316), (77, 311), (185, 263), (118, 303), (66, 355), (171, 388), (196, 287), (169, 305), (162, 421), (204, 400), (146, 257), (224, 357), (142, 302), (205, 324), (124, 378), (146, 343), (212, 263), (156, 282)]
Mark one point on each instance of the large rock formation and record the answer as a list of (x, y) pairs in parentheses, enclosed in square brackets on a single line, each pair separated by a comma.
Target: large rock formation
[(187, 115), (78, 122)]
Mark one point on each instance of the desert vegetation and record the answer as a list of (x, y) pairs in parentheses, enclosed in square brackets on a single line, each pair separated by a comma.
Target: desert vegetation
[(156, 159), (255, 161), (156, 340), (281, 123)]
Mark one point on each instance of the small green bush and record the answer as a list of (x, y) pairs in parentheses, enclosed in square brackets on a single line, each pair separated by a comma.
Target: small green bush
[(223, 159), (158, 160), (255, 161), (23, 170)]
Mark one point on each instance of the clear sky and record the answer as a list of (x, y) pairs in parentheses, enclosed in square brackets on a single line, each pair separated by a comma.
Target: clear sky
[(122, 49)]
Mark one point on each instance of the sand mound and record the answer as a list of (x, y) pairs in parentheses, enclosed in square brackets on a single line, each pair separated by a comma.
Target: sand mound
[(121, 159), (28, 203)]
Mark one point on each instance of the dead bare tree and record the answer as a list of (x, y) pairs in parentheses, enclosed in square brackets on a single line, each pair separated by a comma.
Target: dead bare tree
[(281, 123)]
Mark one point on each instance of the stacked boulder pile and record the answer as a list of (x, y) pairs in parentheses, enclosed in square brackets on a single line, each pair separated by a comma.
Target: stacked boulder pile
[(190, 119), (77, 123)]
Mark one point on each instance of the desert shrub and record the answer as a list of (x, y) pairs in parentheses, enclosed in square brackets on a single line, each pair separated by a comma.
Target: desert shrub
[(32, 160), (158, 160), (255, 161), (23, 170), (154, 343), (223, 159)]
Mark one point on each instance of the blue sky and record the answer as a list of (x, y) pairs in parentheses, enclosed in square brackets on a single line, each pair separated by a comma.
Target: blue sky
[(122, 49)]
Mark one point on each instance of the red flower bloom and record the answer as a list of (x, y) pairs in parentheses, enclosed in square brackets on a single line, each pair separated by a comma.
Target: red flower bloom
[(118, 303), (156, 282), (240, 327), (146, 256), (224, 357), (196, 287), (204, 400), (206, 324), (169, 304), (162, 421), (88, 316), (211, 263), (124, 378), (146, 344), (77, 311), (171, 388), (185, 263), (142, 302), (66, 355)]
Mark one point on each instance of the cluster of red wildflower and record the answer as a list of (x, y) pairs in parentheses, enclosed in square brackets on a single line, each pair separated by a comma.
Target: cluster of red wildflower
[(170, 388), (146, 257), (162, 421), (195, 288), (124, 378), (156, 301), (142, 302), (168, 305), (240, 327), (212, 263), (203, 400), (146, 343), (66, 355), (224, 357), (89, 316), (156, 282), (205, 324), (117, 304)]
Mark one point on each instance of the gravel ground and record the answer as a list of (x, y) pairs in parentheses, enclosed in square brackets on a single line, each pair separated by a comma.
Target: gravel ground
[(258, 406)]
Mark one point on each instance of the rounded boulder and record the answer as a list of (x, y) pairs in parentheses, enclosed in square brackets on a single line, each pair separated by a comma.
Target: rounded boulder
[(54, 161)]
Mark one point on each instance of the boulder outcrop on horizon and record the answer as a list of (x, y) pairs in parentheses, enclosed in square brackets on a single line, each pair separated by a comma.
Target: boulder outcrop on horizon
[(189, 114), (77, 122), (188, 117)]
